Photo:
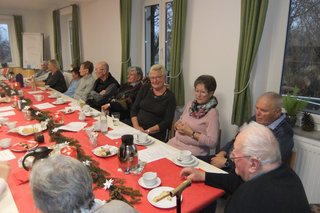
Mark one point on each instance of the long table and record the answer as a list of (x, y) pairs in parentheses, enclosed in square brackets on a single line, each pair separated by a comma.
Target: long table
[(195, 197)]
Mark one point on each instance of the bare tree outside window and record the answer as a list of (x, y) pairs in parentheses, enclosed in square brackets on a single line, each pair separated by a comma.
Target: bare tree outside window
[(301, 65), (5, 50), (158, 34)]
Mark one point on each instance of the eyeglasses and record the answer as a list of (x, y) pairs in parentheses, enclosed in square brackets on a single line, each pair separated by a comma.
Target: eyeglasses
[(156, 77), (233, 158)]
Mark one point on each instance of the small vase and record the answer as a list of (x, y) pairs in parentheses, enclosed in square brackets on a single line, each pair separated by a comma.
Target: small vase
[(291, 119)]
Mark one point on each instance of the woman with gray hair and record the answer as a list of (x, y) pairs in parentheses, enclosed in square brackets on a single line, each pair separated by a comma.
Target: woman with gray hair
[(61, 184)]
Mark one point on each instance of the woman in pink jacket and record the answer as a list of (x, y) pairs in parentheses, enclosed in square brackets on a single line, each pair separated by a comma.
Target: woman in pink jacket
[(197, 130)]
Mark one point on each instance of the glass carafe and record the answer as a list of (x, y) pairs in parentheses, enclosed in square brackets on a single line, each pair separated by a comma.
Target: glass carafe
[(128, 154)]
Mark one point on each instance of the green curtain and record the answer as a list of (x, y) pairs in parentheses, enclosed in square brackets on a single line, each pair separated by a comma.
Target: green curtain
[(19, 29), (178, 31), (57, 37), (75, 36), (125, 20), (253, 14)]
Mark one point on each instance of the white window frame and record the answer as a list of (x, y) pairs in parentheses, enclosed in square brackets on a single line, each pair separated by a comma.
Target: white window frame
[(162, 36), (66, 13), (7, 19)]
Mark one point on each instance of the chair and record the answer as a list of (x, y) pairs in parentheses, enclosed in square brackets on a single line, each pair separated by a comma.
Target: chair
[(293, 157)]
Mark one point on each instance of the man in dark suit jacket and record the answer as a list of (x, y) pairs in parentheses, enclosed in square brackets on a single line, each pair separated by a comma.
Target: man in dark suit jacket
[(104, 87)]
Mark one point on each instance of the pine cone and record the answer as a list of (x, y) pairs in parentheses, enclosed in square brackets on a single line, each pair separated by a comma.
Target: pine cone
[(307, 122)]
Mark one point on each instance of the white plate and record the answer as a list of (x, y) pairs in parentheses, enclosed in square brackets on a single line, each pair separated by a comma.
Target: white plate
[(101, 149), (53, 96), (91, 113), (148, 142), (67, 111), (141, 183), (192, 163), (56, 103), (165, 203), (29, 129)]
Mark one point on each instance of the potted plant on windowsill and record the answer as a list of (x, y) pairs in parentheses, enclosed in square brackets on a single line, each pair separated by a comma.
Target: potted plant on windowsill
[(293, 105)]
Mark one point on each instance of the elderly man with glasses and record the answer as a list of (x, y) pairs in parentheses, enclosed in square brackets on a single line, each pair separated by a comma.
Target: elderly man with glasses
[(266, 185)]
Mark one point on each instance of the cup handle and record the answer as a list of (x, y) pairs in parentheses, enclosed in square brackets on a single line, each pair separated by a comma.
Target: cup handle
[(25, 157)]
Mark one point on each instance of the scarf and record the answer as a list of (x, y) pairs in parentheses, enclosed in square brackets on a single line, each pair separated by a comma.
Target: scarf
[(199, 110)]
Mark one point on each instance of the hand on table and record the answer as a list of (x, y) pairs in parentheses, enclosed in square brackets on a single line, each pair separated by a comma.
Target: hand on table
[(192, 174), (218, 161), (103, 92), (105, 107)]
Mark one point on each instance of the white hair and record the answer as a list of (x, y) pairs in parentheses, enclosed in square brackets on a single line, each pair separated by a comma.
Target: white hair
[(260, 142)]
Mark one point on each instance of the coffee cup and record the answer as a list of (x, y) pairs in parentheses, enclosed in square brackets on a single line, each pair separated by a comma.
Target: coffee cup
[(185, 156), (142, 137), (38, 97), (86, 108), (11, 124), (115, 118), (60, 100), (149, 178), (5, 143)]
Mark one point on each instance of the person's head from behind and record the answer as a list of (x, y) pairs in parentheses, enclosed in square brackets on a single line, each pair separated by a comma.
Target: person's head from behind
[(268, 108), (256, 151), (61, 184), (157, 76), (204, 86), (53, 65), (135, 74), (75, 73), (44, 65), (4, 65), (102, 69), (86, 68)]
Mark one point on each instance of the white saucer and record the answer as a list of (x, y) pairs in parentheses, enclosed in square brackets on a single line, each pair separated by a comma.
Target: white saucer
[(148, 142), (165, 203), (56, 103), (191, 163), (141, 183)]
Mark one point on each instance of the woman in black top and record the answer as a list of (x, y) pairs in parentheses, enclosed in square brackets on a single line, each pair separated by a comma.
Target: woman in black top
[(55, 78), (154, 107)]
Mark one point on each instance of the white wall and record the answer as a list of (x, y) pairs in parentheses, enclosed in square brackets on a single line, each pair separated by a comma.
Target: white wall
[(101, 40)]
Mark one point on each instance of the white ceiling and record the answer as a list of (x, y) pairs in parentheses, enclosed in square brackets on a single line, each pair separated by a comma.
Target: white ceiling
[(36, 4)]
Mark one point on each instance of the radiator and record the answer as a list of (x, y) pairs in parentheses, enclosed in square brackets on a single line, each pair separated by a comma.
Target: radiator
[(307, 166)]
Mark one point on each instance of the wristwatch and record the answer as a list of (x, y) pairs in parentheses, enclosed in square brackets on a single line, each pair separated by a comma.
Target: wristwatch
[(193, 134), (227, 163)]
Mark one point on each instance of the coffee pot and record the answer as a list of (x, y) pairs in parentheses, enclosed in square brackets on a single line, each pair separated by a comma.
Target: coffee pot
[(38, 153), (128, 154)]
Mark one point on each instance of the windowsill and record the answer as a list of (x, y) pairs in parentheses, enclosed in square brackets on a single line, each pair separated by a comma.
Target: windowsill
[(312, 135)]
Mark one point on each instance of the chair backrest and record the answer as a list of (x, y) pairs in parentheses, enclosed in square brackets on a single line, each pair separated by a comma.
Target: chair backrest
[(293, 159)]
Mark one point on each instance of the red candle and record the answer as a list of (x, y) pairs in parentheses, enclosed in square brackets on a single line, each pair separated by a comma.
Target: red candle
[(14, 101), (16, 85), (58, 119)]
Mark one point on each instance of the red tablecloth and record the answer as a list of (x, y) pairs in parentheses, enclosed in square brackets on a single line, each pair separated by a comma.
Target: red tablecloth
[(197, 196)]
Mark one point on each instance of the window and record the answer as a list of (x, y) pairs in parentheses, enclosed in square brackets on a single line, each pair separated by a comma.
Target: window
[(66, 37), (8, 42), (157, 33), (301, 65)]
